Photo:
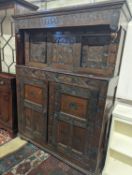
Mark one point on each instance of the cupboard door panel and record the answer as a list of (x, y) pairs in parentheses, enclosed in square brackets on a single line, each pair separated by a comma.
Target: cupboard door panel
[(28, 120), (63, 131), (74, 105), (5, 107), (34, 94), (33, 109), (78, 142), (72, 115)]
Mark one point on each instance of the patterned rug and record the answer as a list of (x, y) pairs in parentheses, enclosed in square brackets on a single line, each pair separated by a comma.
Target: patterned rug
[(30, 160), (4, 137)]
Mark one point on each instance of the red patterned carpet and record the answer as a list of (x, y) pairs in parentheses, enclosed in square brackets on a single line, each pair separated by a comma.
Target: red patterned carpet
[(30, 160), (4, 137)]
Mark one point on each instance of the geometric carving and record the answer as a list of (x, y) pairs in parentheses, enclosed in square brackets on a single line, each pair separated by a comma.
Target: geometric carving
[(76, 106), (34, 94)]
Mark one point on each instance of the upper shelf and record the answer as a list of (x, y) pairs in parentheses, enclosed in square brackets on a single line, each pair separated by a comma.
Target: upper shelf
[(113, 13)]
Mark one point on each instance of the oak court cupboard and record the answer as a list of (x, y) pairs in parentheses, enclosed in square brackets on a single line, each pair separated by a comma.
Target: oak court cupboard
[(68, 63)]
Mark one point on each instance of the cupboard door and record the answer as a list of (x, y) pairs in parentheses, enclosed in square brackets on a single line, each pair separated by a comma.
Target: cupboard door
[(33, 109), (5, 107), (72, 115)]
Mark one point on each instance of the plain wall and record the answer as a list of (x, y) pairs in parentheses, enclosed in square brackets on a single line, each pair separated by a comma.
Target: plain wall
[(124, 90)]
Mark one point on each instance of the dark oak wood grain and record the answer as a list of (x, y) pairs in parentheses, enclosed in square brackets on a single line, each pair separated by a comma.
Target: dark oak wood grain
[(67, 75), (8, 107)]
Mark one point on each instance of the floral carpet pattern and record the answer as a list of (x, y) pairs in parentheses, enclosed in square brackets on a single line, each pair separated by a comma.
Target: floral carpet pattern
[(23, 165), (4, 137), (30, 160)]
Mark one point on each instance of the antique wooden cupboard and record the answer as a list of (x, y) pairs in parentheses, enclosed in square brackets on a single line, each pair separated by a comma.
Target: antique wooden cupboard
[(8, 112), (68, 62)]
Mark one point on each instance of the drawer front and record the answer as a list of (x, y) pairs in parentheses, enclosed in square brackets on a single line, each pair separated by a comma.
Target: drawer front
[(32, 100), (73, 124)]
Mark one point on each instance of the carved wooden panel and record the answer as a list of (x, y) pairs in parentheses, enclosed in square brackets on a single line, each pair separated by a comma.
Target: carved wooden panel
[(64, 138), (35, 47), (34, 125), (8, 109), (5, 99), (39, 121), (33, 109), (107, 13), (95, 51), (78, 142), (63, 48), (73, 111), (73, 105), (34, 93), (63, 132), (28, 121), (87, 50)]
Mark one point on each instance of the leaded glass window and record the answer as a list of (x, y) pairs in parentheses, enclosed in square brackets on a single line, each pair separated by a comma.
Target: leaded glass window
[(7, 41)]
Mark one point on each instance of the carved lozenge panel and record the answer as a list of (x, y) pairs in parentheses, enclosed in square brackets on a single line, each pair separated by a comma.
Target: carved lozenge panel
[(74, 105), (33, 94)]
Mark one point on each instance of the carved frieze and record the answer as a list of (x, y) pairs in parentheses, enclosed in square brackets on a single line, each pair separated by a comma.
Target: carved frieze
[(73, 79), (104, 17)]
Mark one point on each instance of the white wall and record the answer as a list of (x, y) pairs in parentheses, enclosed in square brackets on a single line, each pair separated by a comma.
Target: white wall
[(124, 90), (42, 4)]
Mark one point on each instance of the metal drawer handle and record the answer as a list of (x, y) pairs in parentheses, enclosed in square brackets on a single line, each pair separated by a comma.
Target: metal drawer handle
[(1, 82)]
